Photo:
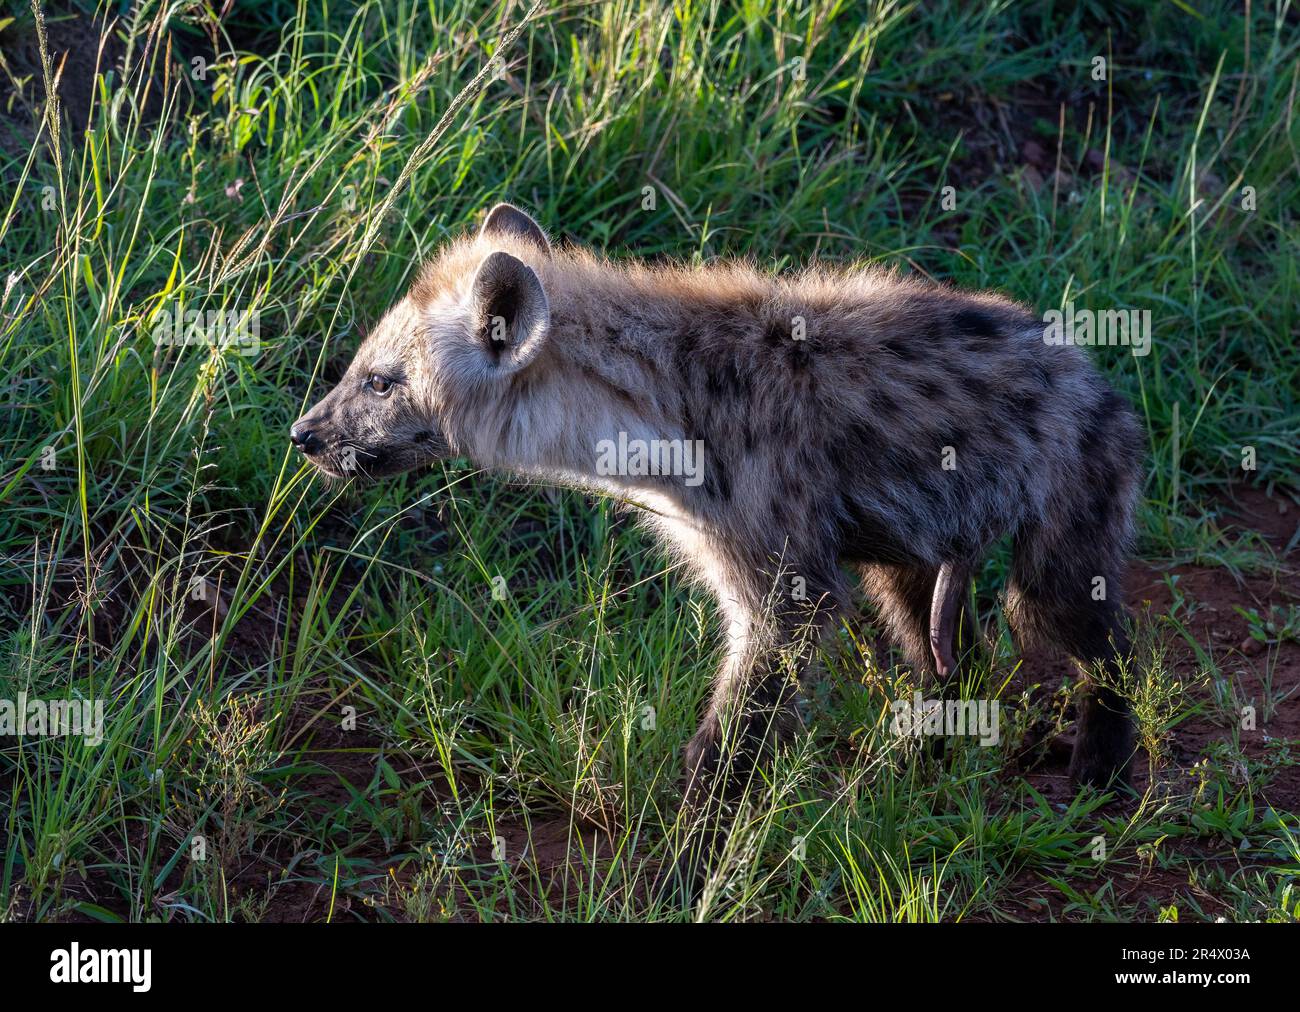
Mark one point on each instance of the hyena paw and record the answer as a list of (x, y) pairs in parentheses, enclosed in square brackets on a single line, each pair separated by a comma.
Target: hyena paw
[(704, 816), (1103, 764), (682, 880), (702, 755), (1103, 748)]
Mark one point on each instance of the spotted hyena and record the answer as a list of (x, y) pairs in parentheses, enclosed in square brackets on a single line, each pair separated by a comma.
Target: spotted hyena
[(777, 432)]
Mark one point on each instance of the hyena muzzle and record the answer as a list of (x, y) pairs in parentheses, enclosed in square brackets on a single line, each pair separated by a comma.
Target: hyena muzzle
[(849, 419)]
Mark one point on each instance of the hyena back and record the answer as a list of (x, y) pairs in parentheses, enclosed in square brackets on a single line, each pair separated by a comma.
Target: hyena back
[(847, 417)]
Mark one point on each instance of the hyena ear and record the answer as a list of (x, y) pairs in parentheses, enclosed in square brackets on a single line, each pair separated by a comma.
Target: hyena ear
[(511, 315), (506, 219)]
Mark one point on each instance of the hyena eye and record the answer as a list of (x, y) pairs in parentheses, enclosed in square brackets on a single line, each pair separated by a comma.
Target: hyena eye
[(380, 385)]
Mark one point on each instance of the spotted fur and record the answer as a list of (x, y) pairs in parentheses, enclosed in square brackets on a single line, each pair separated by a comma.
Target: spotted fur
[(827, 401)]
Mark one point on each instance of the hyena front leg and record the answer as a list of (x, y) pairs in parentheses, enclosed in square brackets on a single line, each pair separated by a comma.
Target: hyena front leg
[(750, 711), (775, 626)]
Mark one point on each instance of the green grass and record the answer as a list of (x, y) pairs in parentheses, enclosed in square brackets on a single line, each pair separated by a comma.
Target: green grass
[(364, 134)]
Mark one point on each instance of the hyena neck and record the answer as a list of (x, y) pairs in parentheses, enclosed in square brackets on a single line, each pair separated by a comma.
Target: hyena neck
[(608, 408)]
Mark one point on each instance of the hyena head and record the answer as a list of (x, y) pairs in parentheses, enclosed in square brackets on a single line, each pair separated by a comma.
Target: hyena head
[(425, 382)]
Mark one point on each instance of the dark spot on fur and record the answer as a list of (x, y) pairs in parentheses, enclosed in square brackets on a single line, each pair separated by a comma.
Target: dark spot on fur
[(645, 361), (931, 390), (726, 380), (619, 392), (883, 403), (901, 349), (936, 334), (862, 436), (866, 536), (896, 460), (975, 323), (717, 479), (1090, 442), (1101, 507), (1112, 403), (976, 386), (687, 341), (687, 417), (781, 429), (1025, 403)]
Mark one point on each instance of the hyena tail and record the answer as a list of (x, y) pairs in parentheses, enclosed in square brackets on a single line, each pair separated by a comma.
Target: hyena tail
[(1066, 589)]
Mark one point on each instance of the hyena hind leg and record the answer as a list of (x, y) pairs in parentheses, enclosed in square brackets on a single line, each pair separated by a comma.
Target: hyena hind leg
[(904, 596), (1052, 597)]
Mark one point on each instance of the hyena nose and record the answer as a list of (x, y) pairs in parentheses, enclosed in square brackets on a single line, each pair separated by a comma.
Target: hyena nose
[(304, 438)]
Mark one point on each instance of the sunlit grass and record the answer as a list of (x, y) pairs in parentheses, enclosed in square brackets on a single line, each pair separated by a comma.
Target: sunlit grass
[(160, 547)]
